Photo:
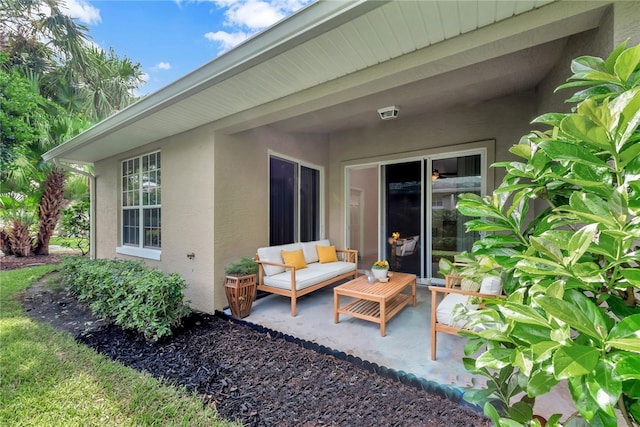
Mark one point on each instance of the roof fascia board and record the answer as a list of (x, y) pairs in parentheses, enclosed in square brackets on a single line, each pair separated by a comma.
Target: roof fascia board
[(308, 23), (501, 38)]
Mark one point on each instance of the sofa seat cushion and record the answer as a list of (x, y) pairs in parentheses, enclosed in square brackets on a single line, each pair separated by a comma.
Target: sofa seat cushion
[(447, 308), (314, 273)]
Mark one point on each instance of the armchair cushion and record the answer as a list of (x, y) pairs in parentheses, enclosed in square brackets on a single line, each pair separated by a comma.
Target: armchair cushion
[(444, 313), (491, 285)]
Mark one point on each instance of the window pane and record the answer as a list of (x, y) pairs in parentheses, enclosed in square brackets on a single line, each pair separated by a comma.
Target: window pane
[(309, 204), (152, 236), (282, 201), (131, 227)]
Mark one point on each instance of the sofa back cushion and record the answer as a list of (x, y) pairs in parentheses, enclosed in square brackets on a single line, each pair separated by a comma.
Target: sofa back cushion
[(309, 249), (274, 254), (294, 258)]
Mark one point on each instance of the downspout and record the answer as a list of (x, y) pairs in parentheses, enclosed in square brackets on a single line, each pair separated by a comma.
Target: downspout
[(92, 203)]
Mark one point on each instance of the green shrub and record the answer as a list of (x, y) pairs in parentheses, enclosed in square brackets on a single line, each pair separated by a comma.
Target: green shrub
[(134, 296)]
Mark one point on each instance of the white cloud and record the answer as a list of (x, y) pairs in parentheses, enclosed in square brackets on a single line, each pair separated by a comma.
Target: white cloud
[(162, 66), (247, 17), (83, 11), (226, 40)]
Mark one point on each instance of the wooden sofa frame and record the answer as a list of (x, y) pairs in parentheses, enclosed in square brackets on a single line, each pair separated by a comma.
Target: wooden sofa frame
[(350, 255)]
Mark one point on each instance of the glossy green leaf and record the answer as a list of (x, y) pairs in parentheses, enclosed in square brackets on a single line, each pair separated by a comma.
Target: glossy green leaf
[(589, 310), (582, 398), (546, 247), (495, 358), (590, 208), (570, 314), (610, 62), (523, 314), (632, 275), (627, 63), (627, 367), (521, 412), (628, 154), (625, 335), (540, 382), (574, 361), (603, 387), (580, 241), (560, 150), (630, 117), (627, 327), (540, 267), (543, 350)]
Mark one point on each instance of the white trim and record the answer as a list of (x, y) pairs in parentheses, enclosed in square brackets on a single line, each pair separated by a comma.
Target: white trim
[(139, 252)]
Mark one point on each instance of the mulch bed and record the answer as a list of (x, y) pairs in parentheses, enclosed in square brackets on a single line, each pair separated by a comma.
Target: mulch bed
[(258, 377)]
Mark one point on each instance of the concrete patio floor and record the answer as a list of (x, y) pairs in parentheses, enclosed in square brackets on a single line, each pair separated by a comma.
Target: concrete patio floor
[(406, 346)]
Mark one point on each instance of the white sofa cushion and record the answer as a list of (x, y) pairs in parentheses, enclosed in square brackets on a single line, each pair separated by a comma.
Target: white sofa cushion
[(446, 308), (314, 273), (491, 285), (274, 254), (309, 249)]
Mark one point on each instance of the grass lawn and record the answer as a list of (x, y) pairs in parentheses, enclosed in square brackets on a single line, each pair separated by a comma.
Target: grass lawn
[(46, 378)]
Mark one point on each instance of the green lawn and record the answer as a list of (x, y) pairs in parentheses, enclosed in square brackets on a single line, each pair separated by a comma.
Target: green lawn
[(46, 378)]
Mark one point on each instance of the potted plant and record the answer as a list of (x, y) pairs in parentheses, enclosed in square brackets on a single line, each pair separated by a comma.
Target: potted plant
[(380, 269), (240, 286)]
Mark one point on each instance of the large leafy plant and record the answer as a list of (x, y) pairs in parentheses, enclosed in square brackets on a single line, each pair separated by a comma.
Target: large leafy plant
[(570, 266)]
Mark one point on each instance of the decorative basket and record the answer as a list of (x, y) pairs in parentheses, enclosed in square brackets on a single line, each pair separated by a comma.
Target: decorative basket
[(241, 292)]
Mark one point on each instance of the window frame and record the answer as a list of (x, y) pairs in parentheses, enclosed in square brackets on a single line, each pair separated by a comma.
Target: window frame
[(299, 164), (140, 250)]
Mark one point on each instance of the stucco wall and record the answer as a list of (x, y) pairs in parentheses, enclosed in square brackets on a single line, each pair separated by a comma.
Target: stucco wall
[(187, 206)]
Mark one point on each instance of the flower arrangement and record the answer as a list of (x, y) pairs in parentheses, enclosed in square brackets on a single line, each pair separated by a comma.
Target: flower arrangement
[(380, 265), (394, 237)]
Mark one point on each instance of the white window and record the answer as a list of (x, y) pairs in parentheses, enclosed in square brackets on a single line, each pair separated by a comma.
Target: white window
[(141, 207)]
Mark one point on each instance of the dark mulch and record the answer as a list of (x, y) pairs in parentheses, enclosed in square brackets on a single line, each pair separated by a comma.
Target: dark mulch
[(257, 377)]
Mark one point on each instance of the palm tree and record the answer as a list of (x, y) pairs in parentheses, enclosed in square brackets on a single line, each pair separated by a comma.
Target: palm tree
[(79, 80)]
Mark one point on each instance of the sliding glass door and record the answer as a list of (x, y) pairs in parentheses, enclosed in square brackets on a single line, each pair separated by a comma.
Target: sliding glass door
[(450, 177), (412, 206)]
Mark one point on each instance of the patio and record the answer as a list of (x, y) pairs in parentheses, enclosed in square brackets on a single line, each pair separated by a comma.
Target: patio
[(406, 346)]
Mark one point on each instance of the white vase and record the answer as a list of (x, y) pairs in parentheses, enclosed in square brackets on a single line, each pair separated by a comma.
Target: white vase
[(379, 273)]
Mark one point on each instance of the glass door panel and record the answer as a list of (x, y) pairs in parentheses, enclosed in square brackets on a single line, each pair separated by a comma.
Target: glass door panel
[(363, 214), (450, 177), (403, 216)]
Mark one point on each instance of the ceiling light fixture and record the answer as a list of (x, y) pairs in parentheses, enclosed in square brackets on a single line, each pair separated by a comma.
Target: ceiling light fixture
[(388, 113)]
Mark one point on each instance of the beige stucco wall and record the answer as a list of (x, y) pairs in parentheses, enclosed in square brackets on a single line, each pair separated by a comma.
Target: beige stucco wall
[(187, 211)]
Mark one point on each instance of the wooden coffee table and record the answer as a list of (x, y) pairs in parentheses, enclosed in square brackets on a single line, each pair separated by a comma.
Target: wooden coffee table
[(376, 302)]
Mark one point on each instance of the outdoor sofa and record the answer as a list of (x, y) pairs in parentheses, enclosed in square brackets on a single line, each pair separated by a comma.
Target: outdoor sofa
[(297, 269)]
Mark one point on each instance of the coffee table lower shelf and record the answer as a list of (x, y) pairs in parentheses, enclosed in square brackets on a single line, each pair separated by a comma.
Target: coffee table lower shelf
[(371, 310)]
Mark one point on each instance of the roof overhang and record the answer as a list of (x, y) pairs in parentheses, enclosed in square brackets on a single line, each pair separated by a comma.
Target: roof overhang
[(331, 65)]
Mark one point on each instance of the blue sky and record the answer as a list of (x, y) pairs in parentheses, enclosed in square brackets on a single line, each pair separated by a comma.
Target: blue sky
[(170, 38)]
